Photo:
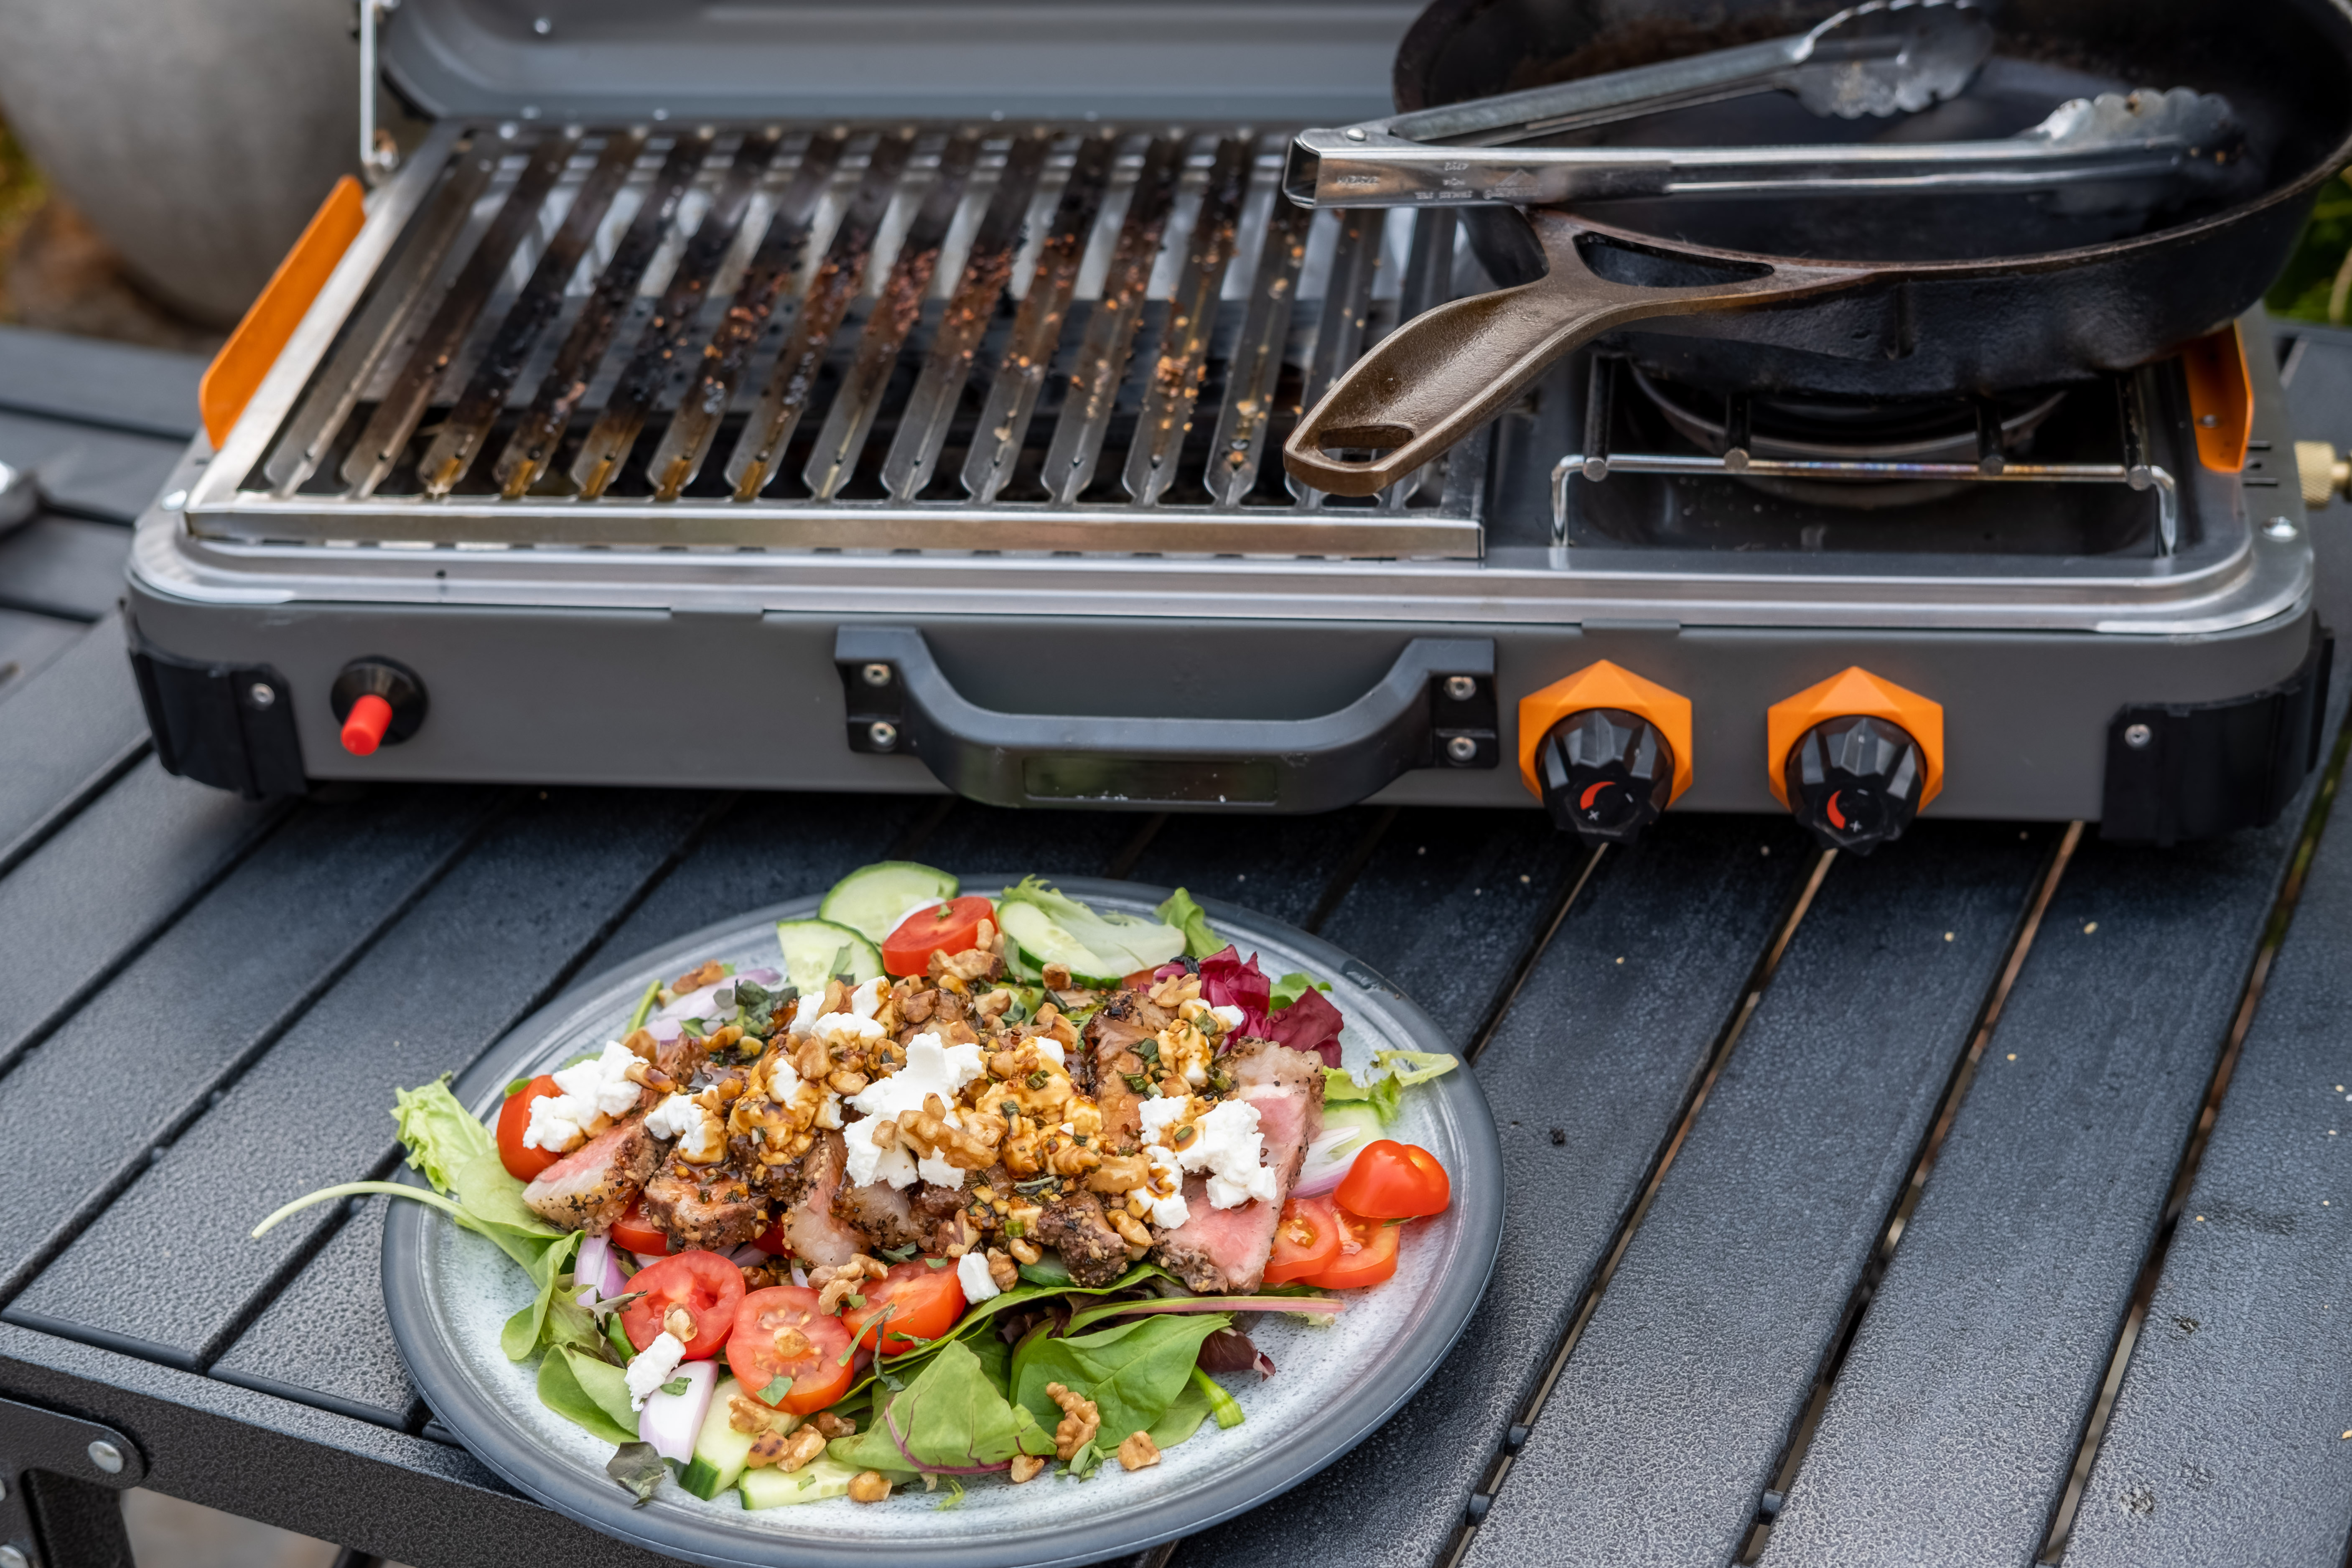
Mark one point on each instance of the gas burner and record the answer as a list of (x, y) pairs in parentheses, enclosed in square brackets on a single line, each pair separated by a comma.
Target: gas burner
[(1843, 430)]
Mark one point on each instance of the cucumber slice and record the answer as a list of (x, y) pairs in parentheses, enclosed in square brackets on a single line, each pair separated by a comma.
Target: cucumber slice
[(820, 1478), (719, 1450), (872, 899), (815, 951), (1044, 942)]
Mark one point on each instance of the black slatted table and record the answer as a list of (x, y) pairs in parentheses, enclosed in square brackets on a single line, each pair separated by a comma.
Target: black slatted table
[(1976, 1204)]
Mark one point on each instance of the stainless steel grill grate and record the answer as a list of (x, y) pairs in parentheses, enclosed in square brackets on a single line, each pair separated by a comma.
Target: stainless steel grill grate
[(932, 338)]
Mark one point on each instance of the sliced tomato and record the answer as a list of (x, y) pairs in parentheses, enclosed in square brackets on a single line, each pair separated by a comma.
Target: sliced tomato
[(1306, 1240), (950, 927), (1139, 980), (1367, 1255), (514, 1119), (638, 1233), (702, 1285), (916, 1301), (1394, 1180), (772, 1241), (779, 1332)]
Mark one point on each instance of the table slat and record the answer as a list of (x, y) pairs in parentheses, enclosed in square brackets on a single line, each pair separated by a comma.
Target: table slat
[(490, 942), (118, 386), (1953, 1426), (122, 869), (64, 732), (185, 1015), (1608, 1054), (1278, 866), (1663, 1430)]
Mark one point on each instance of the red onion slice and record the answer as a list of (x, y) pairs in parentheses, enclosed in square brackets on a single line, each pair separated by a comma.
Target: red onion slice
[(671, 1421)]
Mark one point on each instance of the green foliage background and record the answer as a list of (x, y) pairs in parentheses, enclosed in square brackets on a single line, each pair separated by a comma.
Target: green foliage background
[(2304, 288)]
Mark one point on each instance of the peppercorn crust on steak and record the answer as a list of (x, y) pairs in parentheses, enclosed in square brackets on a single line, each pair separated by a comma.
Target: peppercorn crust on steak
[(927, 1115)]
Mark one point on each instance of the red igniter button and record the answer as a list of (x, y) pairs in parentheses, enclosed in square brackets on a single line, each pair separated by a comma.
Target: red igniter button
[(370, 716)]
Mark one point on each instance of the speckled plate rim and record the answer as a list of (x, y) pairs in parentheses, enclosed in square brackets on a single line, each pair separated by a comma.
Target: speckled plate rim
[(1288, 1457)]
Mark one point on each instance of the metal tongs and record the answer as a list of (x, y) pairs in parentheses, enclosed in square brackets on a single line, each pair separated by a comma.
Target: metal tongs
[(1880, 58)]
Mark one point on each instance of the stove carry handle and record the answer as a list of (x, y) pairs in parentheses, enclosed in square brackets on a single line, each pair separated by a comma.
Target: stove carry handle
[(1434, 708), (1436, 378)]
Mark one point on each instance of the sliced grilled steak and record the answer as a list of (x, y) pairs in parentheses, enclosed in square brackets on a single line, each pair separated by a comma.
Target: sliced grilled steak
[(705, 1207), (816, 1237), (1218, 1250), (1124, 1022), (590, 1188), (1075, 1226)]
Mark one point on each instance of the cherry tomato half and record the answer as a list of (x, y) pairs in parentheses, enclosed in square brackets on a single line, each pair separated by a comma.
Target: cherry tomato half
[(703, 1284), (922, 1303), (1394, 1180), (514, 1119), (779, 1332), (1367, 1254), (950, 927), (1305, 1241), (639, 1235)]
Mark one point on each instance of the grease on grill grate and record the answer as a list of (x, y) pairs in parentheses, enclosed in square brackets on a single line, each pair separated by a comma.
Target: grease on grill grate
[(1008, 322)]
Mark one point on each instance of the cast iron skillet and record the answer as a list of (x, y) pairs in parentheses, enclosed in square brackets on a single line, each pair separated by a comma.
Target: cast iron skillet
[(1886, 298)]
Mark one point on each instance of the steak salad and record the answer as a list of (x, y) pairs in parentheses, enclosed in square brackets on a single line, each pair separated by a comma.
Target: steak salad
[(959, 1188)]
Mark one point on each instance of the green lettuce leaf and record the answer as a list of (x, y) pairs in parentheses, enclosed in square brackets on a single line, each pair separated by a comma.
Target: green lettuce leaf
[(1291, 987), (590, 1394), (1123, 942), (1188, 917), (1394, 1072), (1183, 1417), (1133, 1372)]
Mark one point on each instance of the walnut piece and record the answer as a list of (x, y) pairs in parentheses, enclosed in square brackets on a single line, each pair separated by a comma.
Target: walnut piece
[(800, 1448), (679, 1323), (694, 979), (870, 1487), (745, 1414), (1003, 1269), (1058, 977), (1026, 1468), (766, 1449), (1080, 1421), (833, 1425), (1139, 1452), (1130, 1230), (1022, 1252)]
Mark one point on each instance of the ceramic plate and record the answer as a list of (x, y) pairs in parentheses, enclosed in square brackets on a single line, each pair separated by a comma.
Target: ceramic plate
[(449, 1290)]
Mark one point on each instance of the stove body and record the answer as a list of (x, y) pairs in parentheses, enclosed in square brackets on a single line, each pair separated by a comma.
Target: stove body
[(906, 454)]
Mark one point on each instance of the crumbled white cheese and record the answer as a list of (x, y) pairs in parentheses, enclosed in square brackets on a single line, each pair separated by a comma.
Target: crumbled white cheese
[(1229, 1146), (673, 1117), (971, 1273), (651, 1367), (783, 1079), (931, 1069), (1052, 1051), (867, 1000), (828, 1113), (588, 1096), (938, 1172), (1171, 1211), (1160, 1114), (845, 1030), (1229, 1015)]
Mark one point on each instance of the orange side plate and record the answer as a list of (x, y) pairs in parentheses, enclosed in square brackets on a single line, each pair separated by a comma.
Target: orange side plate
[(235, 373), (1855, 693), (2222, 396), (1605, 685)]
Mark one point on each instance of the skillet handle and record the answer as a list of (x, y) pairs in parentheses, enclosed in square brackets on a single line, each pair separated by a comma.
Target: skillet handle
[(1439, 376)]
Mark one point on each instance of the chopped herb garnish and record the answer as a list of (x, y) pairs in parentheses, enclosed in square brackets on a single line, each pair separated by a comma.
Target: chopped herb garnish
[(937, 1262), (1149, 1051), (1015, 1228), (772, 1392), (856, 1303), (1139, 1082), (899, 1254), (1039, 1079), (1185, 1135), (676, 1385)]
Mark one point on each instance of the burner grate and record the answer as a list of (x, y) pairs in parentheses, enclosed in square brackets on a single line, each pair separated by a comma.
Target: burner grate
[(932, 338)]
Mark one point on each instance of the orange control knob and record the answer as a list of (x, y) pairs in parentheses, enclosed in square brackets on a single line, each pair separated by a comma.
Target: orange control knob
[(1605, 750), (370, 717), (1855, 758)]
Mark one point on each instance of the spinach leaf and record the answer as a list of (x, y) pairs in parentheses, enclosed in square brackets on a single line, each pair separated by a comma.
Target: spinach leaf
[(950, 1421), (570, 1385), (528, 1329), (1133, 1372), (637, 1467), (1183, 1418)]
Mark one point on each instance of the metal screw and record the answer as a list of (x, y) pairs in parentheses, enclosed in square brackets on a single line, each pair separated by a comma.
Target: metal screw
[(2137, 736), (1462, 749), (105, 1456), (2280, 529), (12, 1558), (1354, 133), (261, 694), (883, 733), (176, 500), (876, 675), (542, 26), (1461, 688), (2208, 421)]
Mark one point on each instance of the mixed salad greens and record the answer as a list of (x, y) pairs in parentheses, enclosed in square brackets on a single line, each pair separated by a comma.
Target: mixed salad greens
[(759, 1371)]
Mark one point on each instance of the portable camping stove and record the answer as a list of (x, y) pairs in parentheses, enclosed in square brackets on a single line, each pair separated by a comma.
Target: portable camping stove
[(934, 453)]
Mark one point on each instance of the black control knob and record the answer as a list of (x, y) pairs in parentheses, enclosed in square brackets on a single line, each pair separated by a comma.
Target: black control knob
[(1606, 774), (1854, 782)]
